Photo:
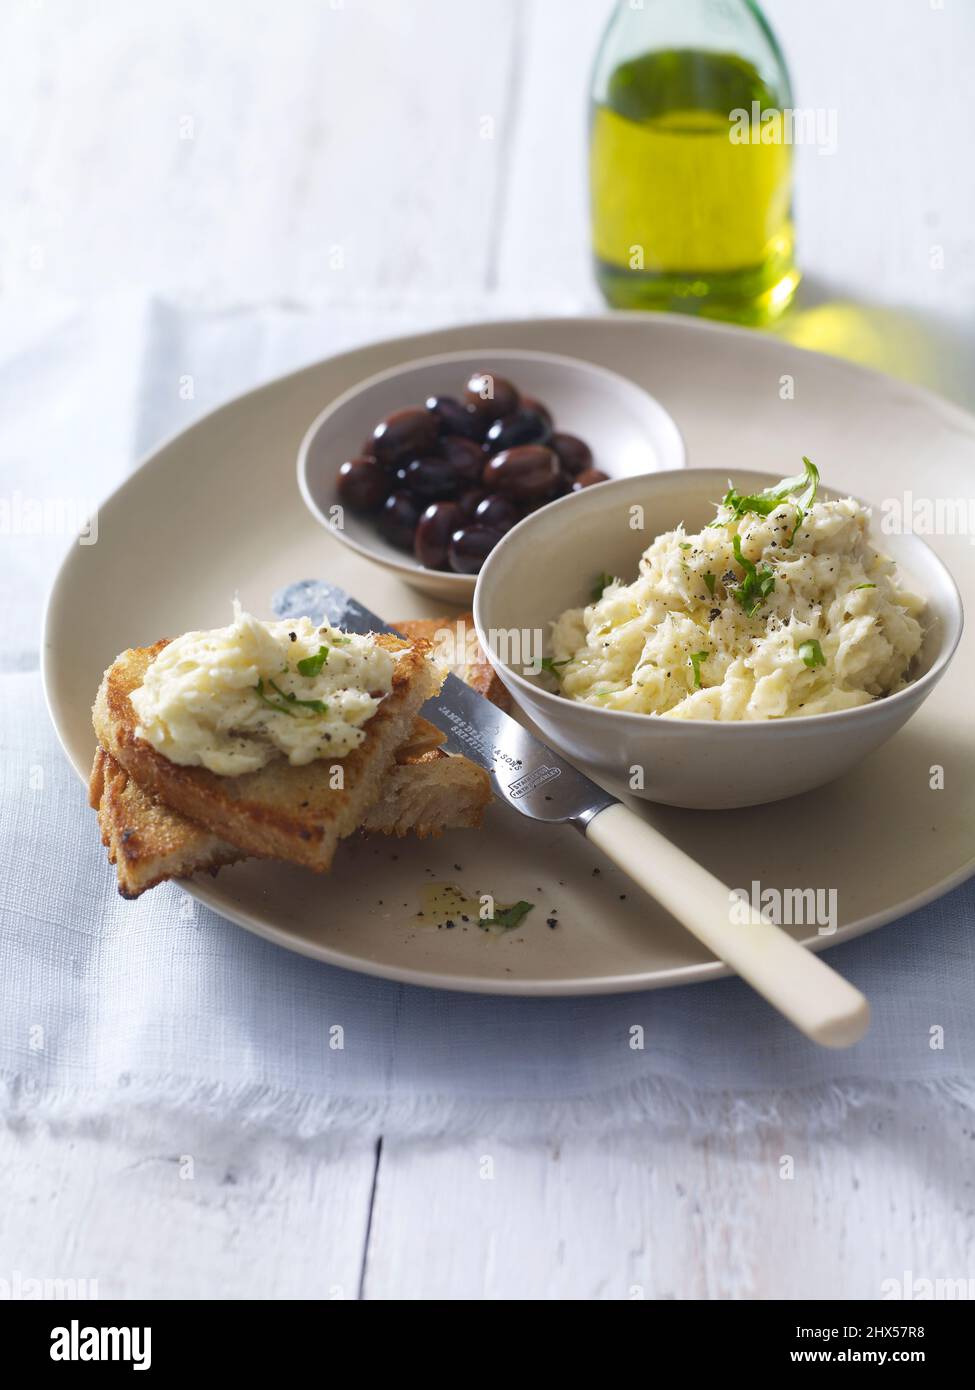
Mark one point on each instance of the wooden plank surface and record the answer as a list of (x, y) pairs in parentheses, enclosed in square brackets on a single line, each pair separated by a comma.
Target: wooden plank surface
[(769, 1213), (244, 152), (196, 1211)]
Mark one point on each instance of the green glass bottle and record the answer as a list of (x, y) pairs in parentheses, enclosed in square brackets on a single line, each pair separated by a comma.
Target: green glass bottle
[(690, 165)]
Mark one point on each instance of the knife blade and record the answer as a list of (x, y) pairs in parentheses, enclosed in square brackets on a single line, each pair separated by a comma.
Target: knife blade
[(531, 777)]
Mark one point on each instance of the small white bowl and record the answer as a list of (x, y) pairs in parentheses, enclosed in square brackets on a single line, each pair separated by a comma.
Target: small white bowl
[(547, 563), (628, 431)]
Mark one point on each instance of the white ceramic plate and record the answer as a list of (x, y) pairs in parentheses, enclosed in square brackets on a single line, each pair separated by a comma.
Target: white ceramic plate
[(216, 511), (628, 431)]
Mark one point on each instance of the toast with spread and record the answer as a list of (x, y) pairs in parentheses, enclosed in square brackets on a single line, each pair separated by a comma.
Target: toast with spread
[(425, 793), (279, 811), (161, 821)]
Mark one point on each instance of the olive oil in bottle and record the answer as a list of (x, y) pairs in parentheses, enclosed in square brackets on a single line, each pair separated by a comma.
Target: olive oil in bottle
[(691, 206)]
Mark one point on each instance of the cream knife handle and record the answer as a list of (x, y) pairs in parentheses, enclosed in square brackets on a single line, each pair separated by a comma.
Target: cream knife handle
[(798, 983)]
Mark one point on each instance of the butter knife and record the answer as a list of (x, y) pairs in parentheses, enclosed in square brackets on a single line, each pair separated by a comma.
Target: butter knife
[(539, 783)]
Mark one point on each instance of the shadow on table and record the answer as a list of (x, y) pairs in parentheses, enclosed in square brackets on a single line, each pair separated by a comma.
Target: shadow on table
[(916, 345)]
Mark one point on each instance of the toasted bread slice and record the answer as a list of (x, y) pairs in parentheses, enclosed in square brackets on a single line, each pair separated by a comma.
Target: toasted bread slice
[(146, 841), (422, 738), (280, 811), (425, 793), (455, 645), (429, 792)]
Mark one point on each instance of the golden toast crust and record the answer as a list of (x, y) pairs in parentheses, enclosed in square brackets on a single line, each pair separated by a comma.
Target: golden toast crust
[(424, 794), (280, 811), (455, 644), (147, 841)]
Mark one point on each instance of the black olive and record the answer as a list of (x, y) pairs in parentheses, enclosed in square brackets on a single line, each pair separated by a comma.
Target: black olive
[(470, 547), (465, 458), (468, 502), (404, 434), (398, 519), (453, 417), (492, 397), (432, 478), (588, 478), (434, 530), (498, 512), (529, 473), (363, 485), (574, 454), (539, 407), (524, 427)]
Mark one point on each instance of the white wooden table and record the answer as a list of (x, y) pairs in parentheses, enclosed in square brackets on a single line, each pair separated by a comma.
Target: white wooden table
[(428, 156)]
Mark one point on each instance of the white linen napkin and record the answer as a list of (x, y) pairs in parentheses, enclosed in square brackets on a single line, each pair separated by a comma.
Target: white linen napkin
[(113, 1006)]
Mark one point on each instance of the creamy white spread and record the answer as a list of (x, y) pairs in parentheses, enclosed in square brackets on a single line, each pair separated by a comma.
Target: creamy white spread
[(808, 618), (234, 698)]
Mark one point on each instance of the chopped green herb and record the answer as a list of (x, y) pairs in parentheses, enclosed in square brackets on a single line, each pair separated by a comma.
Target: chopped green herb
[(803, 486), (812, 653), (695, 659), (271, 704), (509, 917), (312, 665), (317, 706), (862, 586), (710, 581), (553, 666), (757, 584), (291, 702), (600, 584), (686, 545)]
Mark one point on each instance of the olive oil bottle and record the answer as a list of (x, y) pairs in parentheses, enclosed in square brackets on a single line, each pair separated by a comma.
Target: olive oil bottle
[(690, 164)]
